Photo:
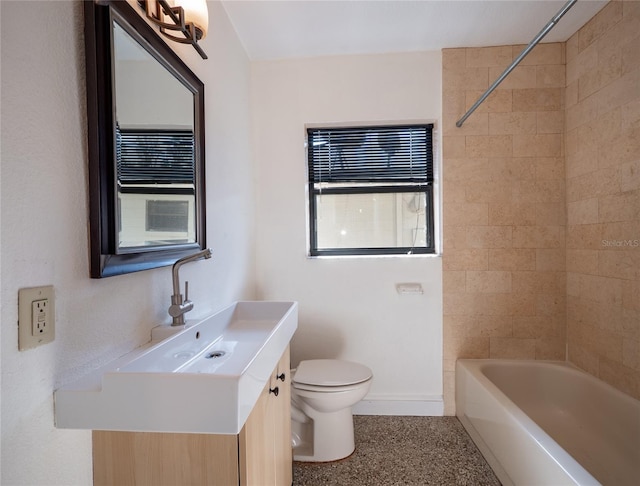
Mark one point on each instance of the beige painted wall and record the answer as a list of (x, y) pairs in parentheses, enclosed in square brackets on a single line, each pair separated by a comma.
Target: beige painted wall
[(520, 279), (603, 196)]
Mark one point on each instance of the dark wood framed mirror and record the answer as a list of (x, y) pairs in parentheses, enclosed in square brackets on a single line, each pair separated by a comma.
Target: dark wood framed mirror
[(145, 114)]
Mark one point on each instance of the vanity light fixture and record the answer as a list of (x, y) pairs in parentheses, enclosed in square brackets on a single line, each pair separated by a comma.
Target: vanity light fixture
[(190, 18)]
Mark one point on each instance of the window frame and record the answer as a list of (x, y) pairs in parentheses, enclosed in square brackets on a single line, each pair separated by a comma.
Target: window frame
[(315, 189)]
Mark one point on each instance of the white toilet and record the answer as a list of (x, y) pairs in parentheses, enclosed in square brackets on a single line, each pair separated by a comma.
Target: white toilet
[(322, 394)]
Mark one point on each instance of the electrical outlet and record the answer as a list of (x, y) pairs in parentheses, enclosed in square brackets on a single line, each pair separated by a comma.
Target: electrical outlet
[(36, 317), (39, 316)]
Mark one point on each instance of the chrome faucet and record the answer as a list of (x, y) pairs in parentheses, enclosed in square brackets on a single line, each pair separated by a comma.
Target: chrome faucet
[(180, 307)]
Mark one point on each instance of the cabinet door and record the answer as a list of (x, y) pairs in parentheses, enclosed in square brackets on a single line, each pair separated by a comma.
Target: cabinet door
[(265, 439), (282, 424), (257, 466)]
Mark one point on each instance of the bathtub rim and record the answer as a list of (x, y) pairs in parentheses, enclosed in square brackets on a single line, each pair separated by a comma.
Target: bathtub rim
[(565, 461)]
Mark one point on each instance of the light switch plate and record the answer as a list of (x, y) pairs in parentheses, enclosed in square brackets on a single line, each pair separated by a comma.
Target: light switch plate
[(36, 316)]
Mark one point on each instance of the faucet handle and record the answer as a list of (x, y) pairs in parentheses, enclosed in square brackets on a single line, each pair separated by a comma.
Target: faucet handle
[(186, 291)]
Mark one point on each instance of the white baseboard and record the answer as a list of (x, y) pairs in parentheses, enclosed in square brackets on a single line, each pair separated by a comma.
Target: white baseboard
[(423, 407)]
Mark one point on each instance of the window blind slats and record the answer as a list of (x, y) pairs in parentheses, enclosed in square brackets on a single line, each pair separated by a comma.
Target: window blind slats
[(371, 154), (155, 156)]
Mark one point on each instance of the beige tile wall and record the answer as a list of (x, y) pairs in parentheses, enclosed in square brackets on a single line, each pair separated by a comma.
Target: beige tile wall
[(504, 207), (535, 259), (603, 196)]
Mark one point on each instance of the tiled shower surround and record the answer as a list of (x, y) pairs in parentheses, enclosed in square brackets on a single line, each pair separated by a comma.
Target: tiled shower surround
[(541, 202), (602, 146)]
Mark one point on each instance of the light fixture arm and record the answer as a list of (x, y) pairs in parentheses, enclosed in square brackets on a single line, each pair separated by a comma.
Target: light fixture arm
[(191, 33)]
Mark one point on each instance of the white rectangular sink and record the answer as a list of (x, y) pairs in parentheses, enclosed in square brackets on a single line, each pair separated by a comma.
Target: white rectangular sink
[(204, 379)]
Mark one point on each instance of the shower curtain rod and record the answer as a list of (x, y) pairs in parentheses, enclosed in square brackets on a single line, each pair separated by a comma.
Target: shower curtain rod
[(517, 60)]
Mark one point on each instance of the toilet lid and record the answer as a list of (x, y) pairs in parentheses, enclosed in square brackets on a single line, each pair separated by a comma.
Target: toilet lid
[(331, 372)]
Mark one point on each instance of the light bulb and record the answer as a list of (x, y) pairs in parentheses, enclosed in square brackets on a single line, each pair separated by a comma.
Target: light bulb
[(196, 11)]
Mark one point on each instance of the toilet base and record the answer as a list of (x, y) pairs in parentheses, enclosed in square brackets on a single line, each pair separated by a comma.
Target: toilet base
[(333, 438)]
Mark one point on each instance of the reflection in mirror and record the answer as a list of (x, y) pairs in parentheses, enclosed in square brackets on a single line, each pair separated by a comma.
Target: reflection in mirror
[(154, 150), (145, 113)]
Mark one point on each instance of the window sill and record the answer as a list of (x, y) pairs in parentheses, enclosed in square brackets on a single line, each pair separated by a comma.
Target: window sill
[(360, 257)]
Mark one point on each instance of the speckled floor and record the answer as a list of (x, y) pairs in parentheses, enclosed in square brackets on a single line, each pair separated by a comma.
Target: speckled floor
[(415, 451)]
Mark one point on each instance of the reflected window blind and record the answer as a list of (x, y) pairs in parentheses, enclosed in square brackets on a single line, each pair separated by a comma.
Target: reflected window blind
[(155, 156), (397, 154)]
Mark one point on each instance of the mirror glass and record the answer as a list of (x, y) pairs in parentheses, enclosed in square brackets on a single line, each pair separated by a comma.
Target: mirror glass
[(145, 113), (154, 150)]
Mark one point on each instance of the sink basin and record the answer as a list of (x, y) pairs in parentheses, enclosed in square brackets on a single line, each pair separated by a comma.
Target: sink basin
[(204, 379)]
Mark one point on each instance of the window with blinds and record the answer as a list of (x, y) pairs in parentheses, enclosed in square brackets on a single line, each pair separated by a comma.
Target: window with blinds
[(155, 156), (371, 190)]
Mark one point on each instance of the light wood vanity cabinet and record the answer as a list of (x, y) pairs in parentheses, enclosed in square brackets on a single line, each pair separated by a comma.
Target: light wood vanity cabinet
[(260, 455)]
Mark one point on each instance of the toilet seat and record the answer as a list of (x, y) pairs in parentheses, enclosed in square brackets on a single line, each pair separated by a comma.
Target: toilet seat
[(330, 373), (326, 389)]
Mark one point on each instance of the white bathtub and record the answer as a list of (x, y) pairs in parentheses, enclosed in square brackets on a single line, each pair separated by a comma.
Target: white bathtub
[(548, 423)]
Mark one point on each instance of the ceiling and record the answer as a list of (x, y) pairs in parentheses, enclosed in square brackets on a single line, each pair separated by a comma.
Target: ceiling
[(280, 29)]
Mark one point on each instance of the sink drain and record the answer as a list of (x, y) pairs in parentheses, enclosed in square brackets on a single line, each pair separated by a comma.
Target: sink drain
[(215, 354)]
